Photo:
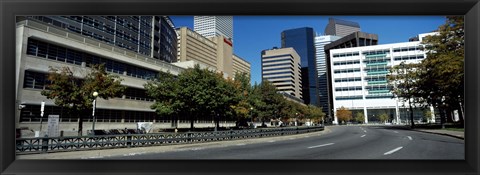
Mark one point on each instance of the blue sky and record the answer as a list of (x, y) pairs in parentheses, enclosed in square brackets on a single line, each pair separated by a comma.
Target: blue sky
[(252, 34)]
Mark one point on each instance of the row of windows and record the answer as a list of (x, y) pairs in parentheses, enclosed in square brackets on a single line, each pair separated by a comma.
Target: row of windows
[(411, 57), (346, 62), (346, 71), (37, 80), (275, 65), (376, 69), (283, 81), (281, 68), (351, 88), (378, 96), (50, 51), (31, 113), (377, 52), (356, 97), (276, 60), (404, 49), (349, 54), (278, 73), (348, 79), (281, 77)]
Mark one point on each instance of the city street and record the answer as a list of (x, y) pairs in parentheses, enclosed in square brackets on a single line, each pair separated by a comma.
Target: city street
[(342, 142)]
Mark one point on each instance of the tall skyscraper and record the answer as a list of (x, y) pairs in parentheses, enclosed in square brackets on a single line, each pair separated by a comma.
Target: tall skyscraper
[(210, 26), (341, 28), (302, 40), (281, 67), (320, 42)]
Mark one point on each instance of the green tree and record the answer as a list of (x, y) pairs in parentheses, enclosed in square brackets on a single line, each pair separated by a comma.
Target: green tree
[(344, 115), (443, 69), (315, 113), (75, 94), (360, 117), (405, 80), (383, 117)]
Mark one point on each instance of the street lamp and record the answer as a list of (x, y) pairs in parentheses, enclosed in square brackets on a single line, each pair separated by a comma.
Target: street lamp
[(251, 115), (95, 94)]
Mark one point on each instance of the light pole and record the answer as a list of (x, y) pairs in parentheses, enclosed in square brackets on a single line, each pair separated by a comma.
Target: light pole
[(95, 94), (251, 115)]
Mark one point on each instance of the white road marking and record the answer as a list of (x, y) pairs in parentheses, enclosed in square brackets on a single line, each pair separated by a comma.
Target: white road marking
[(271, 141), (291, 138), (410, 138), (364, 131), (306, 136), (392, 151), (321, 145), (395, 132), (363, 135), (241, 144)]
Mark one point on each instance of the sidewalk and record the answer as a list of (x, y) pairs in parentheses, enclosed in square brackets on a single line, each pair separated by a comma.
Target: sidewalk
[(456, 134), (106, 153)]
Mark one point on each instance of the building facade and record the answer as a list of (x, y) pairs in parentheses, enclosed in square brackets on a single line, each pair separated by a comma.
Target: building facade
[(302, 41), (355, 39), (214, 53), (211, 26), (341, 28), (152, 36), (359, 79), (40, 45), (282, 68), (320, 42)]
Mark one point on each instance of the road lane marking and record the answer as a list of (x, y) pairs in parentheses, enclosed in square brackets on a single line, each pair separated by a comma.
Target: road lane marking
[(410, 138), (241, 144), (364, 131), (363, 135), (271, 141), (392, 151), (395, 132), (321, 145)]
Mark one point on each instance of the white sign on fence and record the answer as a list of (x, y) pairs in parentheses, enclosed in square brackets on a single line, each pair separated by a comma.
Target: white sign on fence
[(53, 130)]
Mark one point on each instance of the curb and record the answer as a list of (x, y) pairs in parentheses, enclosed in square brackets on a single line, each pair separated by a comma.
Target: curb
[(445, 134)]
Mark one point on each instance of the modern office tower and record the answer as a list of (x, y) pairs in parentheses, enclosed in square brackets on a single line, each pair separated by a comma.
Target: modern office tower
[(360, 79), (341, 28), (355, 39), (153, 36), (282, 68), (320, 42), (302, 40), (40, 45), (210, 26), (214, 53)]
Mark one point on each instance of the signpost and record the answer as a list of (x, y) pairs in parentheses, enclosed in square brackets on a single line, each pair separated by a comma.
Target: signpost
[(53, 130)]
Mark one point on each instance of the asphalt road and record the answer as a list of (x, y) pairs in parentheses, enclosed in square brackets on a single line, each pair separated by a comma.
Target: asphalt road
[(343, 142)]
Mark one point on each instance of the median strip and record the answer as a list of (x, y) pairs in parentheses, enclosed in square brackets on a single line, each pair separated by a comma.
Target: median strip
[(392, 151), (321, 145)]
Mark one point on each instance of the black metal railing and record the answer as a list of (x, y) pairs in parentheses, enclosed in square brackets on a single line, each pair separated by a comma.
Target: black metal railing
[(59, 144)]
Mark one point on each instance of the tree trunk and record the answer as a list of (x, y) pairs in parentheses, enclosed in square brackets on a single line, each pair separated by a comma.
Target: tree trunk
[(411, 114), (80, 123), (442, 118), (192, 120), (461, 116)]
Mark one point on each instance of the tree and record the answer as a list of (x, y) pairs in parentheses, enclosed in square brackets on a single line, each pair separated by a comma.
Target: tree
[(315, 113), (193, 93), (344, 115), (405, 80), (75, 94), (359, 117), (383, 117), (443, 75)]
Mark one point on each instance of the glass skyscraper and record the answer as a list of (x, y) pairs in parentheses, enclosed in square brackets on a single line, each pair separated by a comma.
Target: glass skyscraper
[(210, 26), (302, 40)]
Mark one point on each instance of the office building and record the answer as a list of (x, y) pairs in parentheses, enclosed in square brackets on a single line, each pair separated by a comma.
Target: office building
[(214, 53), (355, 39), (152, 36), (320, 42), (302, 41), (282, 68), (359, 79), (211, 26), (41, 44), (341, 28)]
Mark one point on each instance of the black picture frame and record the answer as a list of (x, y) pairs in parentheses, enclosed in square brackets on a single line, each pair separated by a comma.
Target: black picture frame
[(11, 8)]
